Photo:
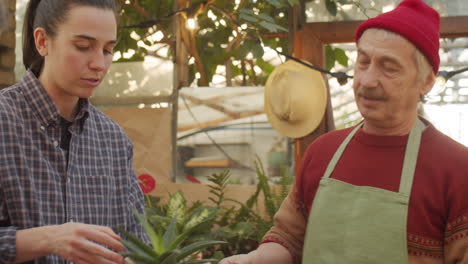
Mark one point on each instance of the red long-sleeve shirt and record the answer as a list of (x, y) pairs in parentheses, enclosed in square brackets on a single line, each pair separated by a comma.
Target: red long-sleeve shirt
[(438, 209)]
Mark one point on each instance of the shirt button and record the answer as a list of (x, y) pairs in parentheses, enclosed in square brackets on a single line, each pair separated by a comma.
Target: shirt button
[(56, 143), (42, 128)]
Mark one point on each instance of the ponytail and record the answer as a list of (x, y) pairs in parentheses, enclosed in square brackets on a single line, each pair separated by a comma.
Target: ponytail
[(31, 58)]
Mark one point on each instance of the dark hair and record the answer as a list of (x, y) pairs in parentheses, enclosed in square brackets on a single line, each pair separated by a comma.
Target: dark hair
[(48, 14)]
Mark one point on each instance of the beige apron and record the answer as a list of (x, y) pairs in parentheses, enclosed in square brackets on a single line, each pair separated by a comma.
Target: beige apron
[(361, 224)]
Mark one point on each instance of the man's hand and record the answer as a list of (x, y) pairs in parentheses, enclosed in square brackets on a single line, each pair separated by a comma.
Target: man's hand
[(268, 253), (79, 243), (238, 259)]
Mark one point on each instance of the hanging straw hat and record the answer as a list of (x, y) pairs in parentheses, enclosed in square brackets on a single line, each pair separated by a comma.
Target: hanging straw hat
[(295, 99)]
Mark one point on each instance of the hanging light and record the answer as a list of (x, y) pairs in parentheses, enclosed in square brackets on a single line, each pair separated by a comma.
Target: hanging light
[(441, 80), (191, 23)]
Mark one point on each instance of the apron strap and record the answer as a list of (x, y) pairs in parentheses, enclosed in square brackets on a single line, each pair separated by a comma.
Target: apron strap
[(337, 155), (409, 163), (411, 157)]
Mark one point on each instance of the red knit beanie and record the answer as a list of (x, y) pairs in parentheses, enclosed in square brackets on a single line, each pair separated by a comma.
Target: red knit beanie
[(414, 20)]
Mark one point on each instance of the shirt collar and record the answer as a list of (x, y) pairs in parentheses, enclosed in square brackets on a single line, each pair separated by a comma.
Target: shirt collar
[(43, 105)]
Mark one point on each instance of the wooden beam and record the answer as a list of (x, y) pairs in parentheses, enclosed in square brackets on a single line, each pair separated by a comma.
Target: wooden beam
[(129, 100), (217, 122), (454, 27), (211, 105), (215, 99), (194, 163), (343, 31)]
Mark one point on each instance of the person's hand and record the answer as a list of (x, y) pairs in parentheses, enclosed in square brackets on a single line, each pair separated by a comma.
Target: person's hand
[(84, 244), (238, 259), (129, 261)]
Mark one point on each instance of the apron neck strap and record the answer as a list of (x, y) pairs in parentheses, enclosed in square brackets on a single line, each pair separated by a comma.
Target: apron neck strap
[(409, 164), (411, 157), (332, 164)]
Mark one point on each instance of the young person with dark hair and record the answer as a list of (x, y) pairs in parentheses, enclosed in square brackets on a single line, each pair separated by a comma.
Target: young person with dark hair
[(66, 172)]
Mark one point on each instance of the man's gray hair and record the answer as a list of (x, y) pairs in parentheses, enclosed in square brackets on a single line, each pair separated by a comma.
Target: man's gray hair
[(424, 68)]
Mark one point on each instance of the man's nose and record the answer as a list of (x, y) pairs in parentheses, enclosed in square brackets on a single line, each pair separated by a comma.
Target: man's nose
[(370, 77)]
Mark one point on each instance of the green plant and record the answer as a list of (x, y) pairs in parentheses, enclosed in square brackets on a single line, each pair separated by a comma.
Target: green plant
[(230, 34), (242, 227), (168, 241), (175, 227)]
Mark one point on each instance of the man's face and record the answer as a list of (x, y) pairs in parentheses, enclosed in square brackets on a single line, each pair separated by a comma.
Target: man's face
[(386, 87)]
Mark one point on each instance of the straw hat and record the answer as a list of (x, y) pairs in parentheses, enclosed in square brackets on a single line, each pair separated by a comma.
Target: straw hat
[(295, 99)]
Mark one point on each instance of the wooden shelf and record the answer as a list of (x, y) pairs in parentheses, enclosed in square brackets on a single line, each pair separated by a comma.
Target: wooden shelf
[(197, 163)]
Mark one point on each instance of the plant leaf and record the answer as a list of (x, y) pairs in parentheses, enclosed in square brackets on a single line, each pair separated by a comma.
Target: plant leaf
[(201, 215), (192, 248), (341, 57), (248, 18), (155, 239), (185, 234), (134, 249), (137, 242), (331, 7), (247, 11), (257, 51), (171, 233), (177, 207), (271, 26), (139, 259), (170, 257), (275, 3), (330, 57), (266, 17)]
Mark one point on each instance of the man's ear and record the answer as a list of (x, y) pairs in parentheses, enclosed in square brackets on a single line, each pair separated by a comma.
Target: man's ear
[(42, 41), (428, 83)]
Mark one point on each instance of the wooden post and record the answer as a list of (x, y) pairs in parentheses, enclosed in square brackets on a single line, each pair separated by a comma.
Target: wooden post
[(310, 48), (180, 79)]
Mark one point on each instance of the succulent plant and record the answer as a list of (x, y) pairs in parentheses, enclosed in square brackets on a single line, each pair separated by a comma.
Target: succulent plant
[(166, 245)]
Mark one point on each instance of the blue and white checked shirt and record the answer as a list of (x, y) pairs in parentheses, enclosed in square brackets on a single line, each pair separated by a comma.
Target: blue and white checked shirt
[(37, 188)]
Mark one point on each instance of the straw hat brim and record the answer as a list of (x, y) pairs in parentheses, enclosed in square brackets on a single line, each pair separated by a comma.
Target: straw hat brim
[(295, 99)]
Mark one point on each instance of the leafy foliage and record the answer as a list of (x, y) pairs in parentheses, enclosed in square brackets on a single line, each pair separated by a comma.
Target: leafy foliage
[(334, 55), (177, 231), (232, 34), (168, 237)]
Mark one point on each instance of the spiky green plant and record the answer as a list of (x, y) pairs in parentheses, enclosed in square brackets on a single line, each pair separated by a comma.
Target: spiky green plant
[(166, 245)]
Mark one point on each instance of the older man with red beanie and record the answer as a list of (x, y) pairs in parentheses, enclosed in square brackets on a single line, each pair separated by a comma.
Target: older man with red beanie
[(392, 189)]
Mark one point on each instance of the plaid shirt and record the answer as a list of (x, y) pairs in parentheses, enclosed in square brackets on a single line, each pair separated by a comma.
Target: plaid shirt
[(38, 188)]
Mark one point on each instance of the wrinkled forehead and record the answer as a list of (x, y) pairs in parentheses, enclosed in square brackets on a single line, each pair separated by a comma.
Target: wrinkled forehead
[(387, 42), (382, 35)]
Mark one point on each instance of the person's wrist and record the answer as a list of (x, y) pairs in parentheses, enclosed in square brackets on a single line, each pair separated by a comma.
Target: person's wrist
[(45, 243)]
